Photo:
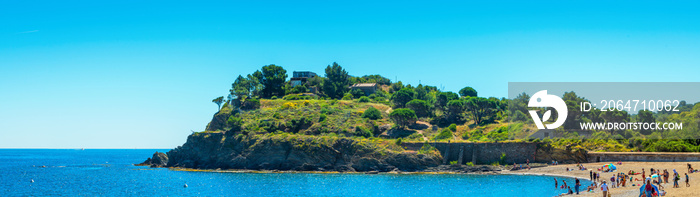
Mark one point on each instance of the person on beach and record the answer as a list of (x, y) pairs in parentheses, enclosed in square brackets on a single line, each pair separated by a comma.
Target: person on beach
[(569, 192), (591, 188), (665, 175), (619, 179), (648, 190), (687, 180), (590, 173), (676, 178), (564, 183), (578, 183), (604, 188), (612, 181), (690, 168), (556, 184)]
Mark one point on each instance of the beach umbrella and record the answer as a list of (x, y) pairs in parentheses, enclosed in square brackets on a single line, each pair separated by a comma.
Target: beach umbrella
[(655, 176), (612, 167)]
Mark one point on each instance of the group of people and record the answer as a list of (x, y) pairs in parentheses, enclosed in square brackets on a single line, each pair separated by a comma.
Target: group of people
[(527, 165), (650, 186), (577, 185)]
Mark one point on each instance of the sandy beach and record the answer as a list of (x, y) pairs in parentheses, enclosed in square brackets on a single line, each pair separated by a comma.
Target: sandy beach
[(629, 190)]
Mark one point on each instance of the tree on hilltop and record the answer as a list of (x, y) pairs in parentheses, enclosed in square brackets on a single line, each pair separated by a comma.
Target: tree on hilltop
[(403, 117), (218, 101), (467, 92), (273, 78), (337, 82)]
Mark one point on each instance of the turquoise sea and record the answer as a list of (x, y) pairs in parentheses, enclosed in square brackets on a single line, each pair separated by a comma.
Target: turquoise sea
[(111, 173)]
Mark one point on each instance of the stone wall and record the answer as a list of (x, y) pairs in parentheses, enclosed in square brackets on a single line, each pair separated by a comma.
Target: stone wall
[(641, 156), (481, 153)]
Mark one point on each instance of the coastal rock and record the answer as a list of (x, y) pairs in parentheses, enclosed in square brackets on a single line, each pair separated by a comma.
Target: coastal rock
[(216, 150), (218, 122), (157, 160)]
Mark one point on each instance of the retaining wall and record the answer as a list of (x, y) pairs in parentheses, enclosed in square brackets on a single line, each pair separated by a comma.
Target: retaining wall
[(481, 153), (641, 156)]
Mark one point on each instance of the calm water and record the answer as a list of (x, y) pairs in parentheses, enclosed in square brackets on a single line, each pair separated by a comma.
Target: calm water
[(110, 173)]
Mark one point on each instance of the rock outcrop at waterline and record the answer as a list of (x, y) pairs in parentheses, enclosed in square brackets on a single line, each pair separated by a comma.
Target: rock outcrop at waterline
[(289, 152), (157, 160)]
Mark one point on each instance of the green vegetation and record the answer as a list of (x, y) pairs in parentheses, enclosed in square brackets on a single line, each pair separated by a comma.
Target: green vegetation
[(326, 106), (467, 92), (403, 117), (337, 82), (421, 107), (445, 134), (363, 99), (403, 96), (218, 101), (372, 113), (428, 149)]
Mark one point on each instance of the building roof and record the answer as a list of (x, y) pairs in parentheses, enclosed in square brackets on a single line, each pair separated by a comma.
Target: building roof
[(359, 85)]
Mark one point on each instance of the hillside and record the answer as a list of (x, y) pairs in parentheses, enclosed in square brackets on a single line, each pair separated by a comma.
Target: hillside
[(346, 123)]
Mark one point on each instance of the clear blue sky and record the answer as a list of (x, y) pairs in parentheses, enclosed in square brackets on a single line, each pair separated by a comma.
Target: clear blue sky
[(135, 74)]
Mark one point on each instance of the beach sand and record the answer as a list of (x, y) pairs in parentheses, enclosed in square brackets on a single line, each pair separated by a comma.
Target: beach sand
[(681, 167)]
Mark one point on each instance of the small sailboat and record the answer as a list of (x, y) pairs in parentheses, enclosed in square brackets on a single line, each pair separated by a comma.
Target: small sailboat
[(185, 185), (32, 180)]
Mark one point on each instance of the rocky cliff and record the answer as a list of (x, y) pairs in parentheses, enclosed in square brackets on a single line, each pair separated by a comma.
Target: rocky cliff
[(290, 152)]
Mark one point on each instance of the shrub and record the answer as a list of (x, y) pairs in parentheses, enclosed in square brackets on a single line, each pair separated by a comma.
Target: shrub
[(398, 142), (427, 149), (273, 97), (299, 89), (421, 107), (361, 131), (289, 105), (474, 135), (234, 123), (403, 117), (250, 104), (268, 125), (372, 114), (470, 164), (357, 93), (403, 96), (500, 134), (364, 99), (415, 136), (443, 135), (347, 96), (503, 158), (295, 125), (379, 99), (322, 117), (453, 127), (453, 163)]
